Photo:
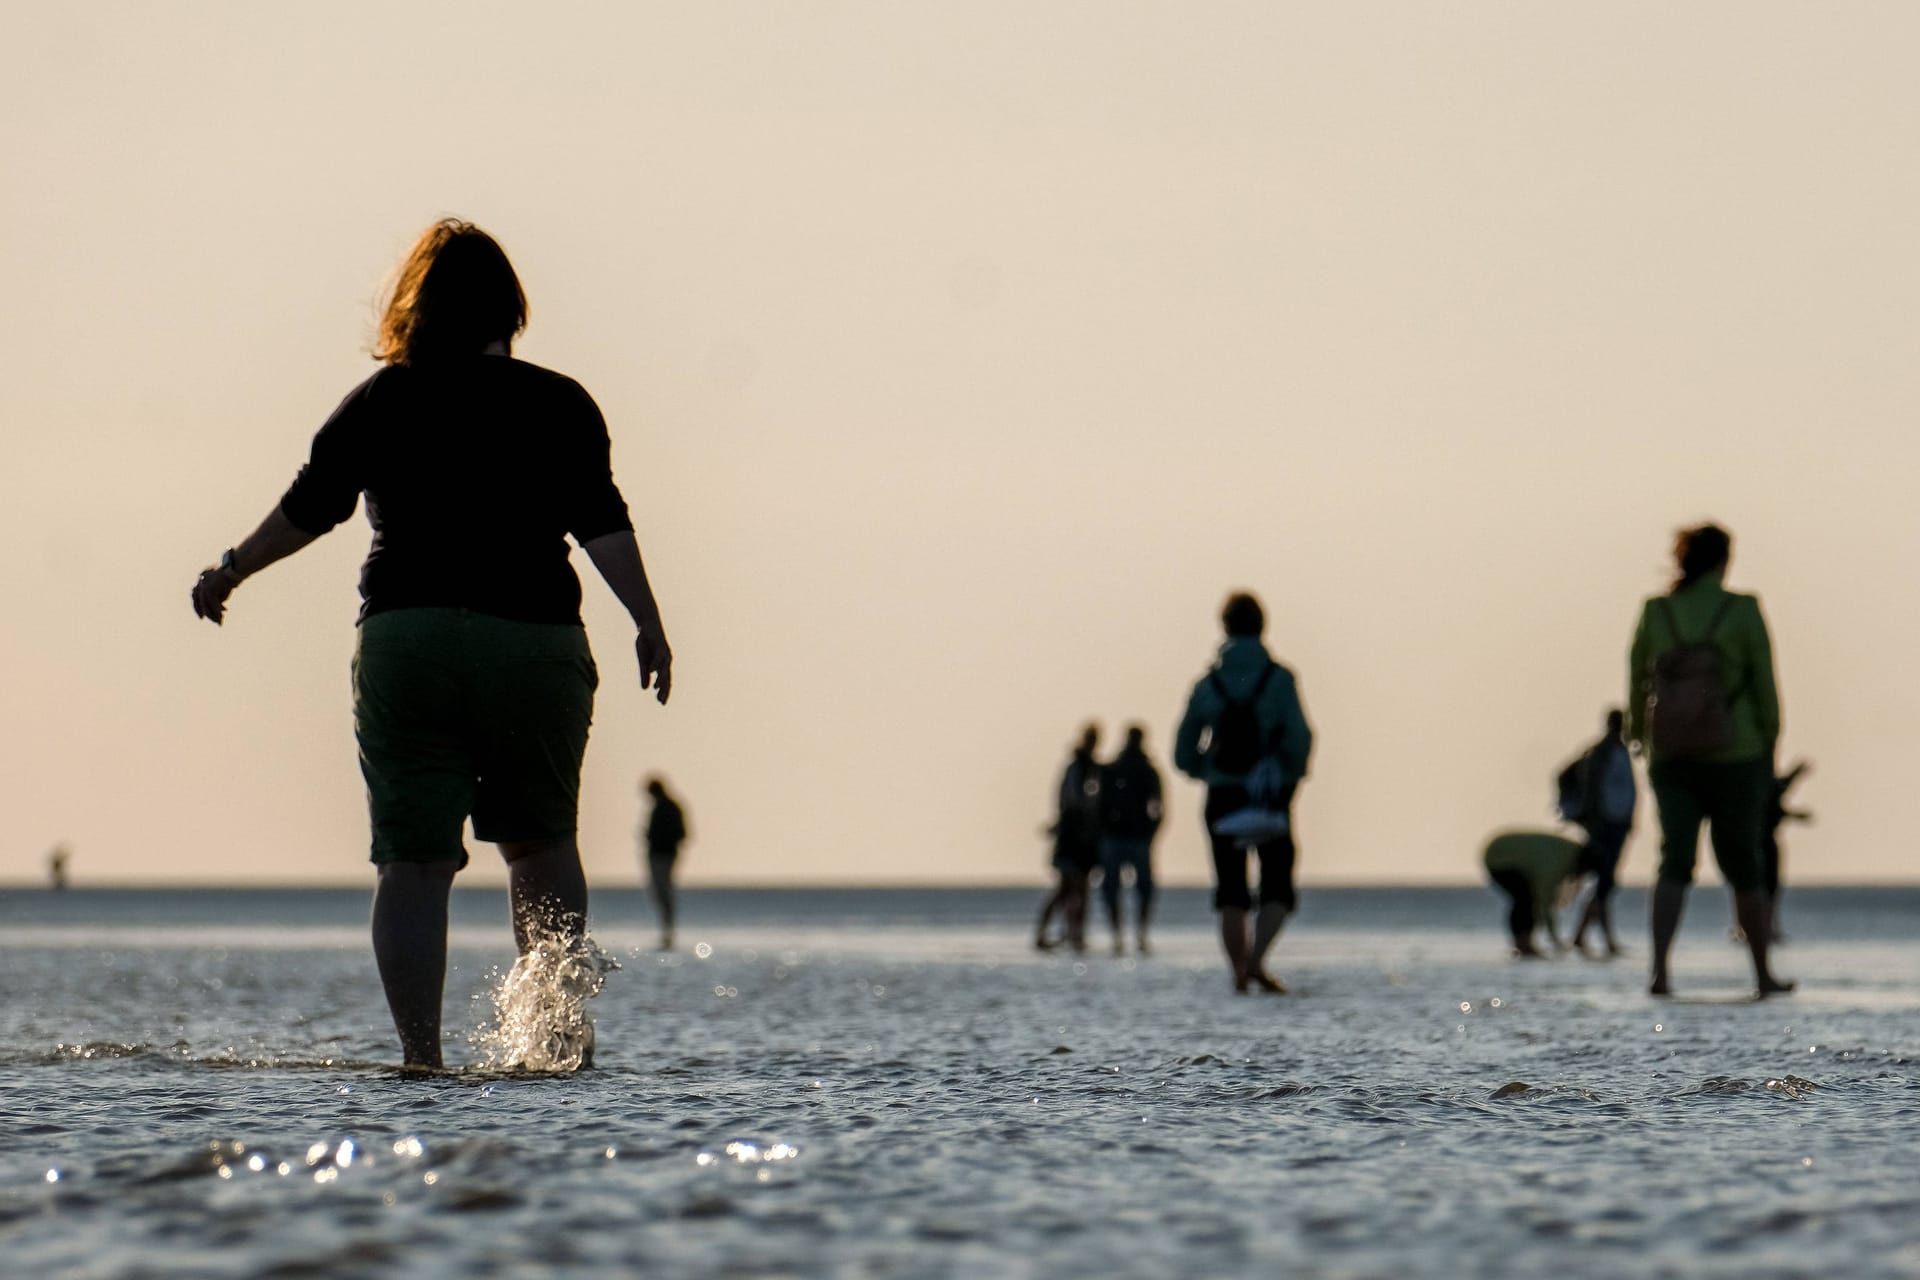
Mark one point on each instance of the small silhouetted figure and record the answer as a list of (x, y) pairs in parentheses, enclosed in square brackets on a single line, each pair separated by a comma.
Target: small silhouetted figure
[(1129, 817), (1777, 815), (665, 832), (1531, 868), (1702, 702), (1608, 796), (1076, 846), (1245, 732), (57, 860)]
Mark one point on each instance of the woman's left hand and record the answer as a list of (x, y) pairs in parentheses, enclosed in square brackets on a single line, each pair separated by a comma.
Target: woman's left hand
[(210, 594)]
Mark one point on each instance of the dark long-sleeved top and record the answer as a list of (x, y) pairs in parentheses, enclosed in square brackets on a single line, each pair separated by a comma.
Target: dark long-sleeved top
[(1283, 723), (666, 827), (1129, 795), (1745, 648), (475, 469)]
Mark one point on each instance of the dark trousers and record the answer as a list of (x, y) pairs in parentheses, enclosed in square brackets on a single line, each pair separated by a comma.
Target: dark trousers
[(1601, 856), (1520, 917), (1731, 797), (1276, 856)]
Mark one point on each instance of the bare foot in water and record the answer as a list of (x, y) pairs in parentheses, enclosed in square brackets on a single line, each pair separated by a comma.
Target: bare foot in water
[(1269, 984), (1239, 984), (1772, 986), (1659, 986)]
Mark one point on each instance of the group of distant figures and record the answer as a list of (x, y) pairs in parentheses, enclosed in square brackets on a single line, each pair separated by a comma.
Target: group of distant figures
[(1703, 709), (1542, 872), (1245, 735)]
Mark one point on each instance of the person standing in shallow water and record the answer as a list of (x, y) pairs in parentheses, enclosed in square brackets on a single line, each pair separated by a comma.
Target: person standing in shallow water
[(472, 680), (1129, 817), (1246, 694), (1076, 846), (1609, 795), (1703, 704), (665, 831)]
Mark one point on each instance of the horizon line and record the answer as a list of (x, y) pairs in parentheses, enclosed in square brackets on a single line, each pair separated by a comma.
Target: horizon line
[(774, 886)]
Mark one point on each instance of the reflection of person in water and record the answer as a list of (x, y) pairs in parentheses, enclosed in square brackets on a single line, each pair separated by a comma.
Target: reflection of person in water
[(57, 865), (1532, 868)]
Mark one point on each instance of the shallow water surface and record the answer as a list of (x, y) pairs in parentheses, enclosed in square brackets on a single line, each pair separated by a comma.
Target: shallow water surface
[(874, 1084)]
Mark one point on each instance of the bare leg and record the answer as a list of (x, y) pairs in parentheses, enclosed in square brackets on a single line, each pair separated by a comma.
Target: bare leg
[(410, 947), (1110, 890), (1669, 900), (1075, 912), (1589, 916), (1143, 885), (547, 888), (660, 887), (1233, 936), (1751, 906), (1266, 927), (1056, 901)]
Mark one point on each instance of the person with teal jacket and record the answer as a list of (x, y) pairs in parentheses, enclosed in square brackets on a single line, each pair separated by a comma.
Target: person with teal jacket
[(1711, 757), (1246, 695)]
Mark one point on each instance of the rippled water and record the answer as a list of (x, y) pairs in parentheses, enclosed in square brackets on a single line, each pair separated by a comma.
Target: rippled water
[(890, 1084)]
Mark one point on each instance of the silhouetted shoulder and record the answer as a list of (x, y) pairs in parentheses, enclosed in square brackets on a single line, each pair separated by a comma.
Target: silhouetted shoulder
[(544, 378)]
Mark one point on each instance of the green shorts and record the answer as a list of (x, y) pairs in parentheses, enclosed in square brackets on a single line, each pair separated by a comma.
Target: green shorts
[(461, 714), (1731, 797)]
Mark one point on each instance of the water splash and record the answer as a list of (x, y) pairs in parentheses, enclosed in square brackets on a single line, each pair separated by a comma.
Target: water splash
[(540, 1018)]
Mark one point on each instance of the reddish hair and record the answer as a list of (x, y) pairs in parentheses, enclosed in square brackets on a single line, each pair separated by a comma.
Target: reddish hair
[(454, 293)]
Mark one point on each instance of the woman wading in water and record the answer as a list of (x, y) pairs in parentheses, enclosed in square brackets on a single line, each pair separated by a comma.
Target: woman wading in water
[(472, 681)]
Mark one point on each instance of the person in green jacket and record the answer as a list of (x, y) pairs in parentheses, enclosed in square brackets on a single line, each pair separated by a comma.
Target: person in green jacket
[(1723, 774), (1531, 867)]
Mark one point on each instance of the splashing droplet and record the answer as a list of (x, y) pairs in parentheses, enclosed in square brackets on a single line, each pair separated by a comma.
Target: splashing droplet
[(540, 1018)]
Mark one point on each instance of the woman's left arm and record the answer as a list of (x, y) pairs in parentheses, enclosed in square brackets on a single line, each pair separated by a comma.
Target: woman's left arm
[(275, 540)]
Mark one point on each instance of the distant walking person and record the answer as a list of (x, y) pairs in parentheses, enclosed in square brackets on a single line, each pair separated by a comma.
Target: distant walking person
[(1245, 735), (1701, 701), (666, 830), (57, 861), (1129, 817), (1778, 815), (1076, 846), (1531, 868), (1607, 798), (472, 681)]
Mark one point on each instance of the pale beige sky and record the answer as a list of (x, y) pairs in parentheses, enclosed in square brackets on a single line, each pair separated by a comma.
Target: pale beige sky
[(959, 358)]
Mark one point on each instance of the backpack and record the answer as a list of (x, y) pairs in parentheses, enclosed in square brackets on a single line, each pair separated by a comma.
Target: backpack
[(1690, 711), (1571, 800), (1236, 744)]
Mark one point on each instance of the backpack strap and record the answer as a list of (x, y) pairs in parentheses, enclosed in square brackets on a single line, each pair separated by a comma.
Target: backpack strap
[(1673, 622)]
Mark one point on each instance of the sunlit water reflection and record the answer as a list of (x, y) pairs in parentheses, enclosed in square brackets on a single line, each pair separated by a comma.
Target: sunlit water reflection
[(873, 1085)]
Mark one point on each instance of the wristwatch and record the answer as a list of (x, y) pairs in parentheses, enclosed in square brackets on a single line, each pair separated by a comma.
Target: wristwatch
[(227, 567)]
